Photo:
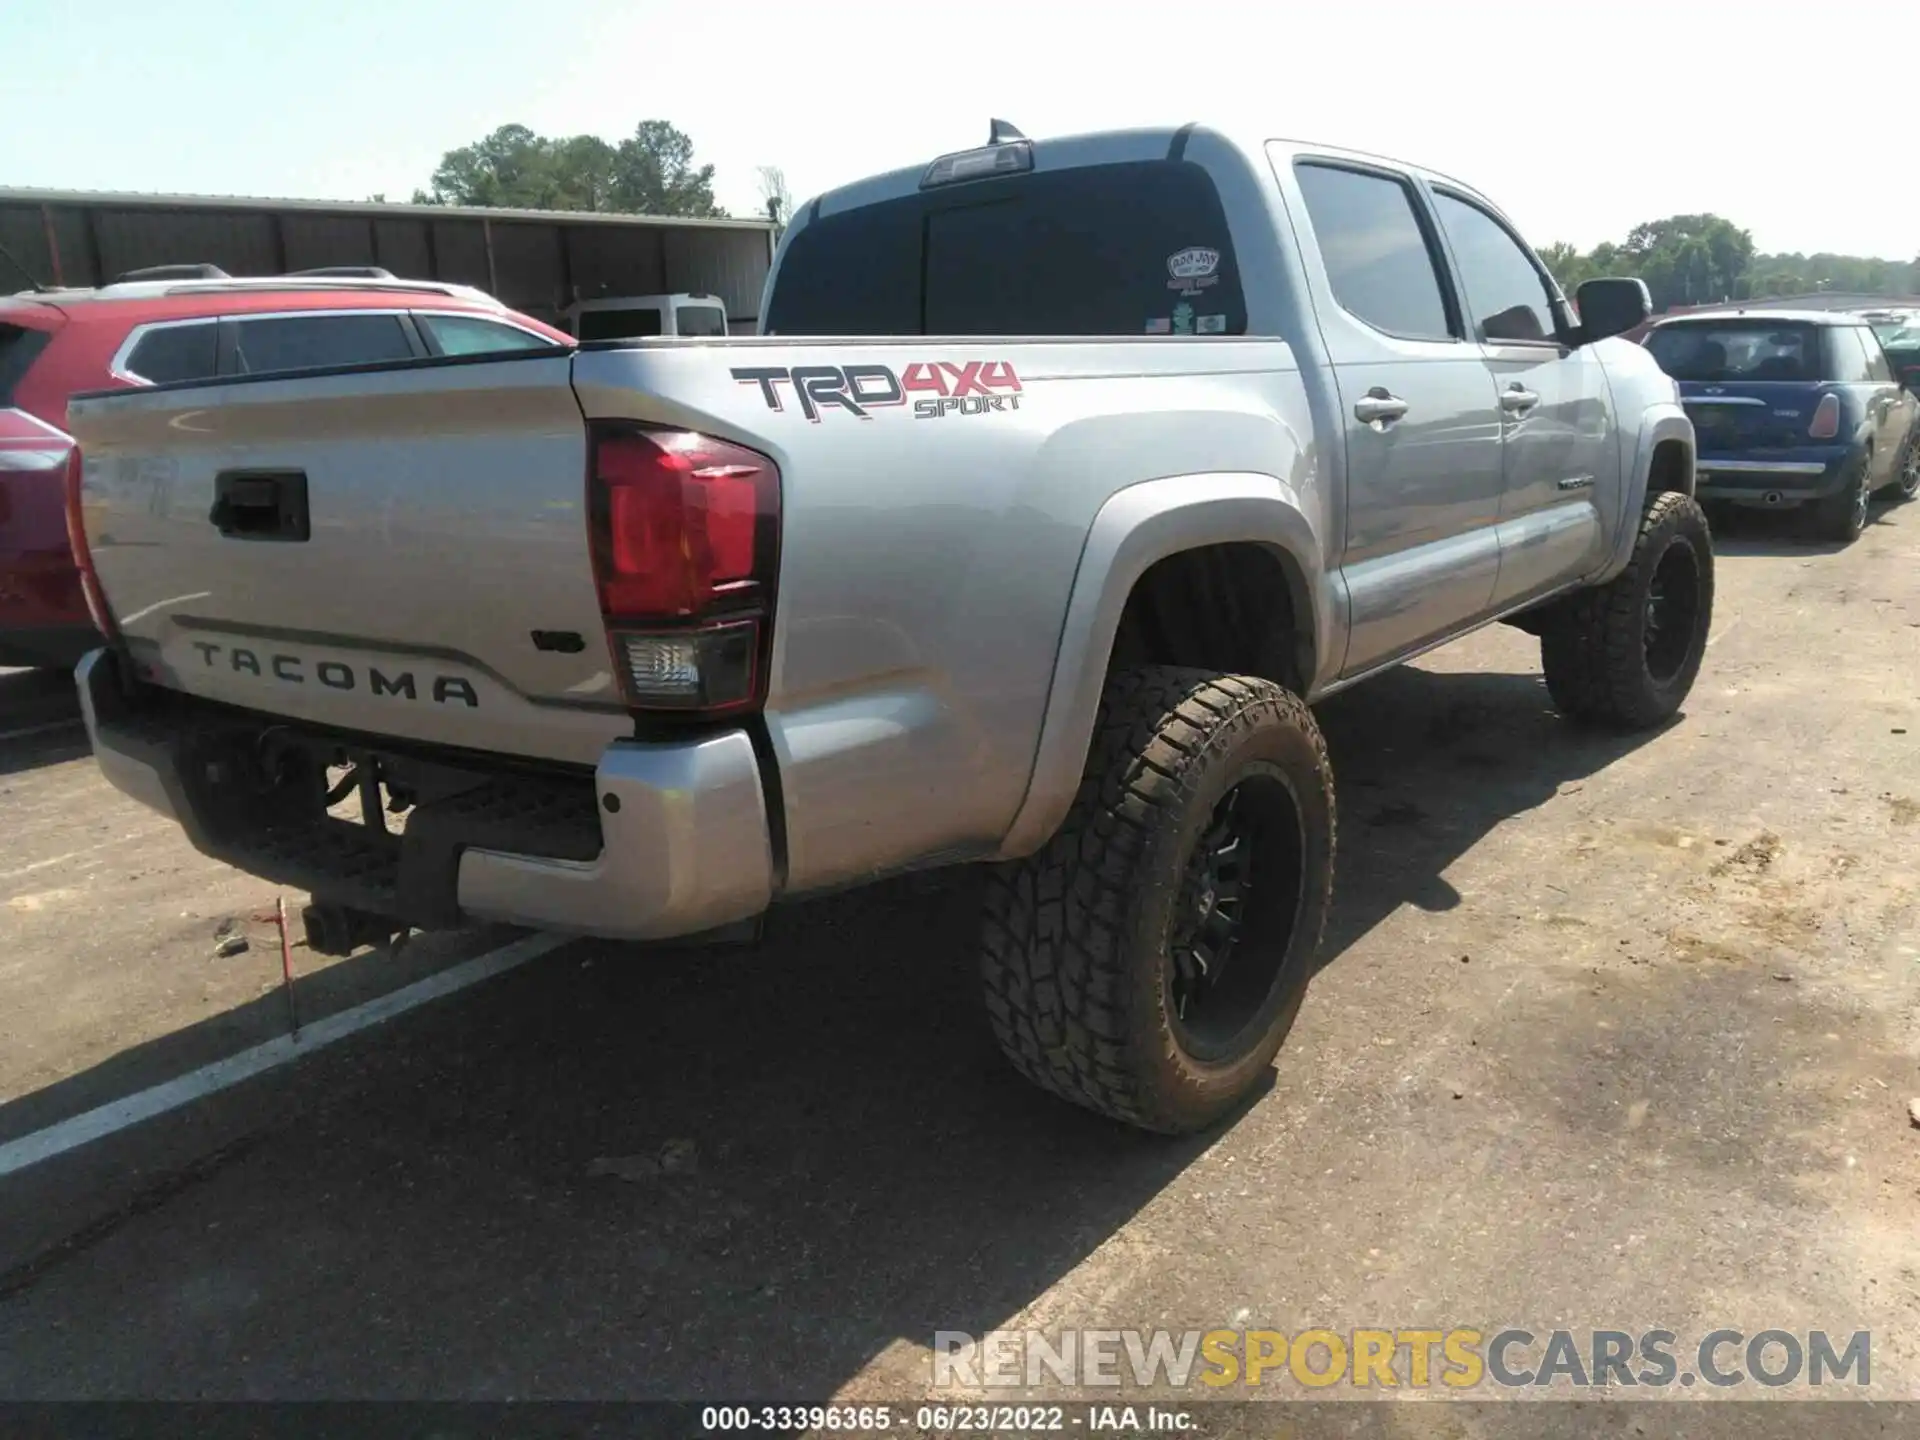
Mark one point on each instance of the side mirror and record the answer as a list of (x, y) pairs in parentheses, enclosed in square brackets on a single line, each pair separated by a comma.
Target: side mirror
[(1610, 306)]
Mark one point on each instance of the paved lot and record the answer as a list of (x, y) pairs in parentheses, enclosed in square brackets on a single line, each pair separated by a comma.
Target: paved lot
[(1612, 1033)]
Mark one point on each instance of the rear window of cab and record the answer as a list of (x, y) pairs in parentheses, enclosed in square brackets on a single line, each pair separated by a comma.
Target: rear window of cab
[(1137, 248)]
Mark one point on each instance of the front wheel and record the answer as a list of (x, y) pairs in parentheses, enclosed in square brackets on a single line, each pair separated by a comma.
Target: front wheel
[(1148, 961), (1625, 654)]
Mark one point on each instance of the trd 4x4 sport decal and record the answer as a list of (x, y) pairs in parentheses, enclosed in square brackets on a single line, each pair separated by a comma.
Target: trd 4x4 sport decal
[(936, 387)]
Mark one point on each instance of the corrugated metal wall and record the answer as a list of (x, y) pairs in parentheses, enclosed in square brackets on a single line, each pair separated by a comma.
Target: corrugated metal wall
[(535, 265)]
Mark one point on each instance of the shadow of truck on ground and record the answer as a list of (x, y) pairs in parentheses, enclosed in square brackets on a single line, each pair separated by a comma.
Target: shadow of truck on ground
[(427, 1211)]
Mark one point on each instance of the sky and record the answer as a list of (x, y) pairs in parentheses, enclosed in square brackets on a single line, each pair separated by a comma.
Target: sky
[(1580, 120)]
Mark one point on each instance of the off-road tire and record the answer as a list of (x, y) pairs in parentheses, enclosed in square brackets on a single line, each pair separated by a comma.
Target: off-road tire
[(1075, 948), (1595, 650), (1842, 515)]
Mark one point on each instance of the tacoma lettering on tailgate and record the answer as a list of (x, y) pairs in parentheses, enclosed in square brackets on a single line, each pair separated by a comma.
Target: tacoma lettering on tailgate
[(936, 387), (336, 675)]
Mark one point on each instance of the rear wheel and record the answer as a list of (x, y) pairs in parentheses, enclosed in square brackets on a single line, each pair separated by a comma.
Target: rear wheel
[(1149, 960), (1843, 514), (1625, 654), (1906, 476)]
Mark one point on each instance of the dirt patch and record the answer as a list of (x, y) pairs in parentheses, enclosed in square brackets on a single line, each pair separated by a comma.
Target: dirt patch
[(1754, 857), (1904, 811)]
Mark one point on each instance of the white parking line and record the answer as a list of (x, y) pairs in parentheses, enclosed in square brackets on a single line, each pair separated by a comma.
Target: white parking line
[(221, 1074), (46, 729)]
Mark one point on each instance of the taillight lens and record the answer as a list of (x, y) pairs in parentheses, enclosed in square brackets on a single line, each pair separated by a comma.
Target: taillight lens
[(83, 555), (685, 543), (1826, 419)]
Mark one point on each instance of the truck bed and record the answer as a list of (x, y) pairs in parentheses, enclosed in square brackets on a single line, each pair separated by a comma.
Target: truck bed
[(935, 498)]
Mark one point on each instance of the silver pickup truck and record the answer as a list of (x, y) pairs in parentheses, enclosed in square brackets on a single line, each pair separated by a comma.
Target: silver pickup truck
[(1065, 476)]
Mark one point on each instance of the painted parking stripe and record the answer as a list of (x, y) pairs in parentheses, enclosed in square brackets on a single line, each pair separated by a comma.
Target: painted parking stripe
[(47, 729), (221, 1074)]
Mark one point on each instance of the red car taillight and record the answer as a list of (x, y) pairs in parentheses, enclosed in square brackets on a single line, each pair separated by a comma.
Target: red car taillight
[(686, 538), (1826, 419), (83, 555)]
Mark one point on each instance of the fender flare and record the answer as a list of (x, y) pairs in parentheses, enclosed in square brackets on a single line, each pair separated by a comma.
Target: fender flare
[(1659, 424), (1135, 528)]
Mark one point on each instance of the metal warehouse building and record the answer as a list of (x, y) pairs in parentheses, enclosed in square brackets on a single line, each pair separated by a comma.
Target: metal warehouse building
[(538, 261)]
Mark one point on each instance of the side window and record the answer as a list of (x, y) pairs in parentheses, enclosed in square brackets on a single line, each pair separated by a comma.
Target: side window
[(618, 324), (1877, 367), (1503, 285), (309, 342), (1850, 365), (1377, 256), (175, 352), (470, 335), (699, 321)]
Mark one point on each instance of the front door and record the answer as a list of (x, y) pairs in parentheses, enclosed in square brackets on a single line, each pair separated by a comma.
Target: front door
[(1422, 431), (1561, 459)]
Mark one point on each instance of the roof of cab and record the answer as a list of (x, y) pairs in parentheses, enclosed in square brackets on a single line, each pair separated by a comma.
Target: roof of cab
[(1107, 147)]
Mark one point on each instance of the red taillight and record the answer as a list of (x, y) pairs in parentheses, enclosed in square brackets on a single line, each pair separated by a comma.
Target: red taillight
[(83, 555), (1826, 419), (685, 542)]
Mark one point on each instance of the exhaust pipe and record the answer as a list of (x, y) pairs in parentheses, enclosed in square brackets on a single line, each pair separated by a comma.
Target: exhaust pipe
[(1772, 497)]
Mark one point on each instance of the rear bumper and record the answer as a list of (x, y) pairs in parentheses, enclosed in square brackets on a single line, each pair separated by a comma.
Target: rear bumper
[(663, 839), (1782, 479)]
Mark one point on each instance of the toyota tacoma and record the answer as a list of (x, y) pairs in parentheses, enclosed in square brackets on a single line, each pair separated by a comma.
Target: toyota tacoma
[(1064, 478)]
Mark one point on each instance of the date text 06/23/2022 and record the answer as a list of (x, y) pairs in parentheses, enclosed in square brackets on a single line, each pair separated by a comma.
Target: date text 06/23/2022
[(938, 1419)]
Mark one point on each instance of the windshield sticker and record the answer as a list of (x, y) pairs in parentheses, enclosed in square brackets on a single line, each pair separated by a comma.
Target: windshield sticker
[(1193, 269), (1183, 319), (972, 387), (1210, 325), (1160, 326)]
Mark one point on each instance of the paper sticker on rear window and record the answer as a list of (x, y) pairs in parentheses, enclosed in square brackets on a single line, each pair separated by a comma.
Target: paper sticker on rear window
[(1210, 325), (1193, 263), (1193, 269)]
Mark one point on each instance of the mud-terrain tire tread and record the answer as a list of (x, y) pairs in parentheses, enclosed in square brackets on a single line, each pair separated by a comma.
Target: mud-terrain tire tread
[(1055, 956), (1594, 655)]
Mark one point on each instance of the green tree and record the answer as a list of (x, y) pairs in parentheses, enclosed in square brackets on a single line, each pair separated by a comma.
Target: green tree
[(651, 172), (1688, 259), (1698, 259), (1567, 265)]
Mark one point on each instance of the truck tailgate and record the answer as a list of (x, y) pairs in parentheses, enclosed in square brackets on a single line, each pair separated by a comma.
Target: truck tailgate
[(373, 550)]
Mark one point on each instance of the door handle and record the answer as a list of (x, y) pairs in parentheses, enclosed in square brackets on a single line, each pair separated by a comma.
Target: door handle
[(1379, 407), (1516, 399)]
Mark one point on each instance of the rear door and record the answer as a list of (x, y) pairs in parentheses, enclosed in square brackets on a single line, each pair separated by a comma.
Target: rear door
[(316, 340), (1561, 446), (1751, 386), (1422, 440)]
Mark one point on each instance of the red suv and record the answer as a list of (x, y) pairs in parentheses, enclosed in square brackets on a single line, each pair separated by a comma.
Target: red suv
[(173, 324)]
